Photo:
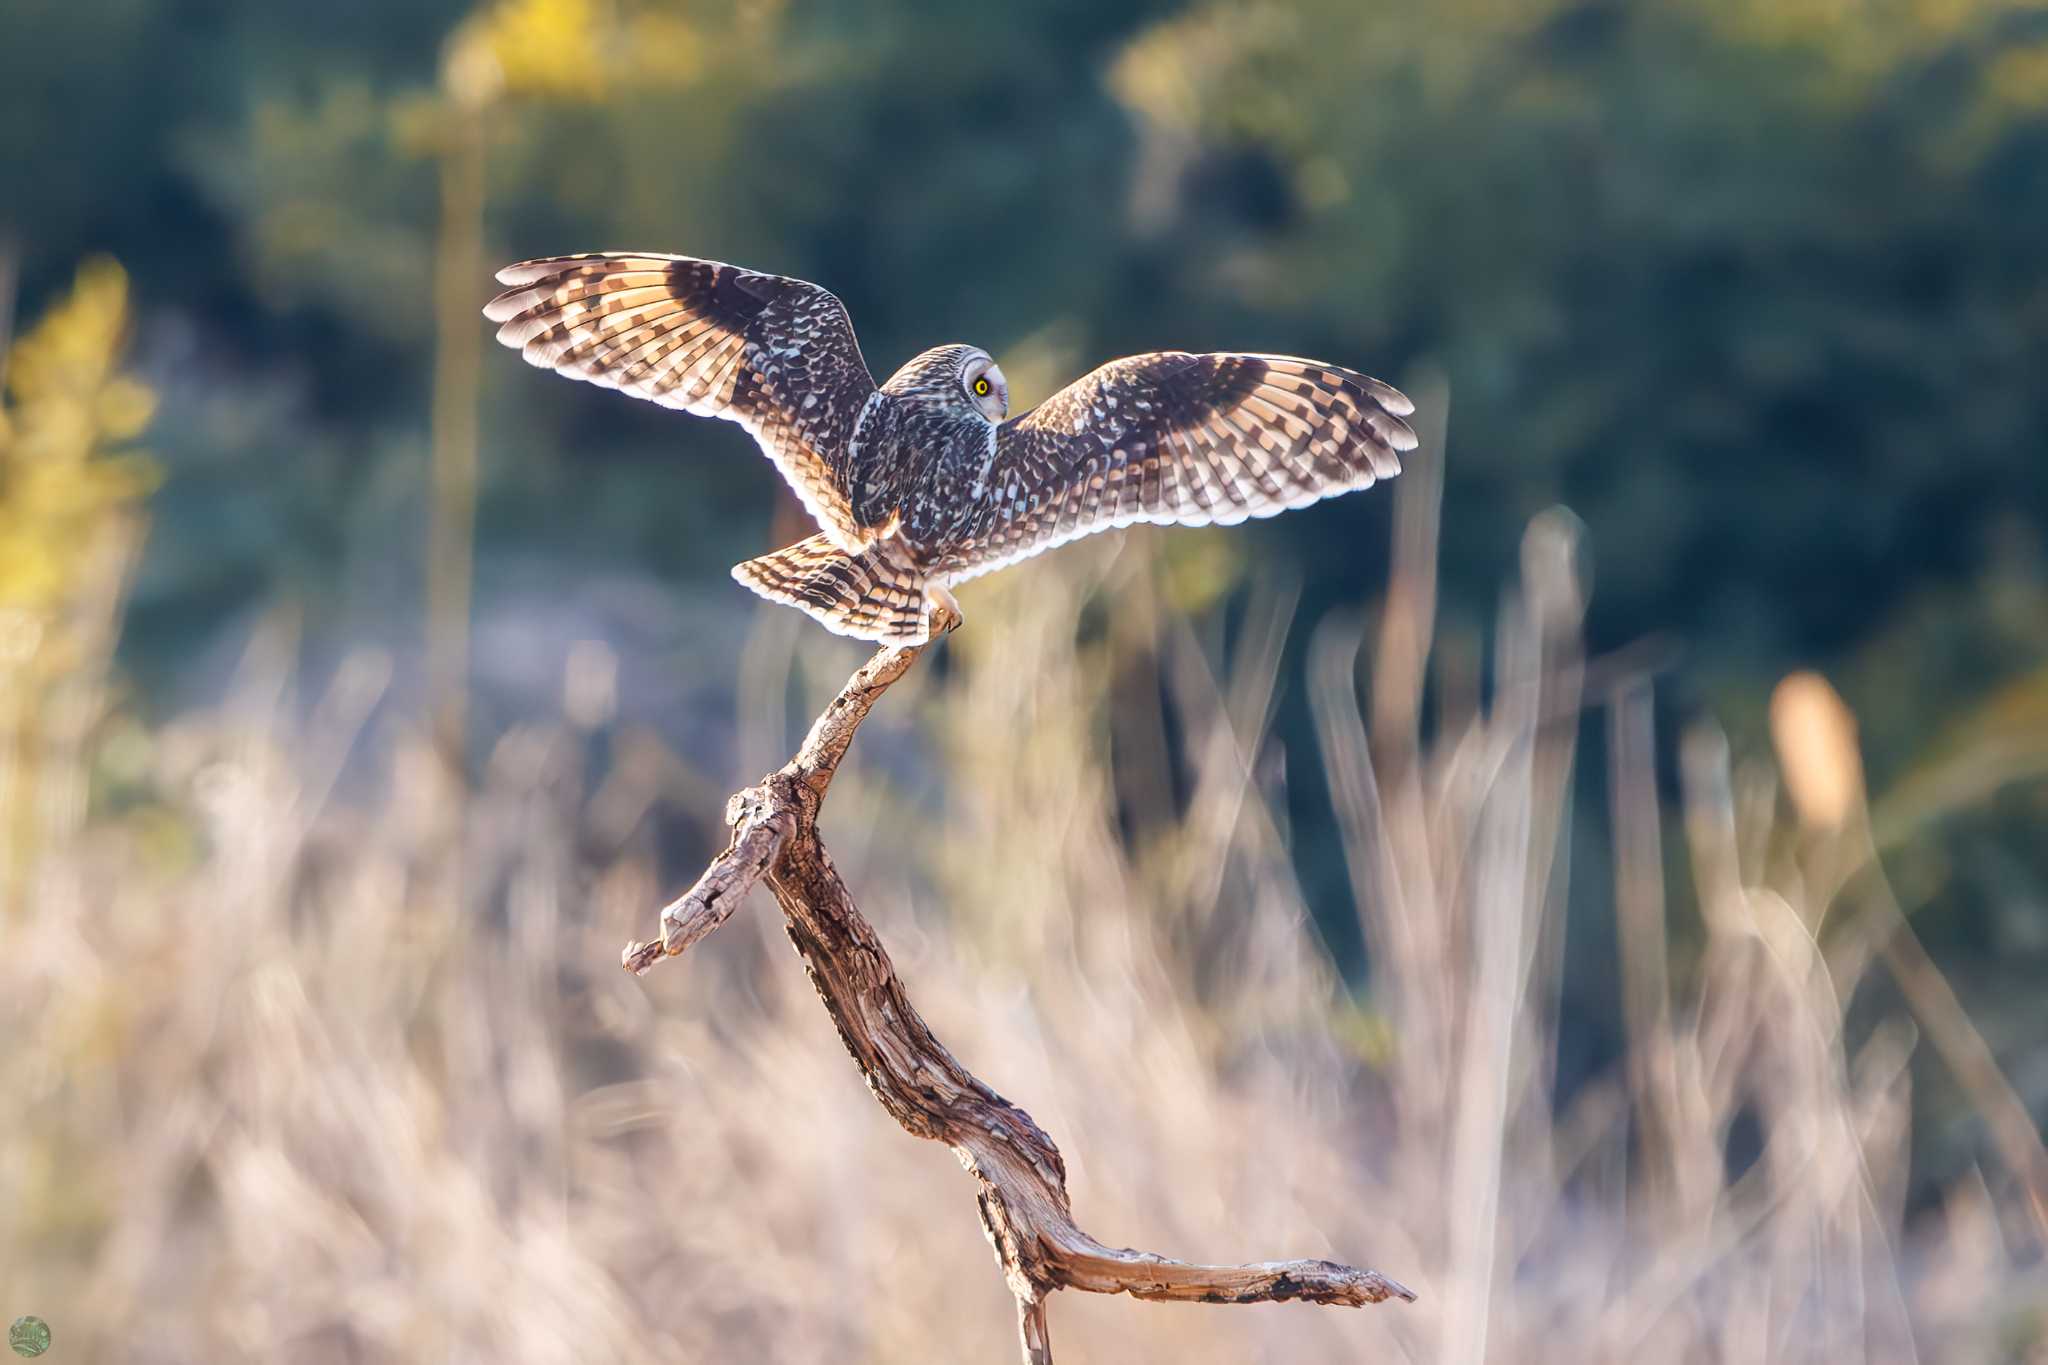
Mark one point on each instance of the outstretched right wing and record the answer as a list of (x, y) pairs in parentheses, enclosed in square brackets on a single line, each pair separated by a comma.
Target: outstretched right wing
[(775, 355), (1174, 438)]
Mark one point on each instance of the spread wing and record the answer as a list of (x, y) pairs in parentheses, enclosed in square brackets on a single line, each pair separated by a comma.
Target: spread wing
[(775, 355), (1181, 439)]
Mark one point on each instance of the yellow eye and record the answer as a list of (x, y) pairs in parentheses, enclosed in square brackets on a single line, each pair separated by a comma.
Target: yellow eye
[(981, 388)]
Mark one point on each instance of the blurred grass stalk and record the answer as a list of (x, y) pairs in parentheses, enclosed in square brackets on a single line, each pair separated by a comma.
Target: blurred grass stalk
[(10, 280), (504, 51), (469, 92)]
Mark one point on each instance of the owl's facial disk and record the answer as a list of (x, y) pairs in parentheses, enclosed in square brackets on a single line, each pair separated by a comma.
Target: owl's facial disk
[(981, 379)]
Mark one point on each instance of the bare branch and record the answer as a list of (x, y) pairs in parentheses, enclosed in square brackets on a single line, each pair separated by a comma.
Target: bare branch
[(1023, 1181), (1143, 1275), (1031, 1329), (756, 843)]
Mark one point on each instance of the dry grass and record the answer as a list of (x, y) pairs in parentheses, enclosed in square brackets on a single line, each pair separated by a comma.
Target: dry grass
[(285, 1087)]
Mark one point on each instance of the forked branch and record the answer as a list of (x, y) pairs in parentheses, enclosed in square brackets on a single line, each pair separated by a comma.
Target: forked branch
[(1023, 1198)]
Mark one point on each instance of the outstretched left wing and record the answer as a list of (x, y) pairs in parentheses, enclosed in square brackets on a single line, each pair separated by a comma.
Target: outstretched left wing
[(1181, 439), (774, 354)]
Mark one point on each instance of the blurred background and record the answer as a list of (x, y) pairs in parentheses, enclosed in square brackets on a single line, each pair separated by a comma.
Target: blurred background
[(1597, 879)]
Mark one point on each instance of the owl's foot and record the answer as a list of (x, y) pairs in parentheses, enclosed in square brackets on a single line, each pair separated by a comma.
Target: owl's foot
[(941, 610)]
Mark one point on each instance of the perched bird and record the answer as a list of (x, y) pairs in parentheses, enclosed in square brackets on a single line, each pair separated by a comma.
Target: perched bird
[(923, 483)]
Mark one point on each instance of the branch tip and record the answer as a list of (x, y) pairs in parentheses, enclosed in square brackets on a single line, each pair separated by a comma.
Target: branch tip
[(639, 957)]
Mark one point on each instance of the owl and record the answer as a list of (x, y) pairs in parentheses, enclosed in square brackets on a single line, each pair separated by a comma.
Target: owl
[(927, 481)]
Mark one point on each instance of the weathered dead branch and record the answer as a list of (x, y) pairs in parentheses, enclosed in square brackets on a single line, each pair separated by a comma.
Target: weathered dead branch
[(1023, 1196)]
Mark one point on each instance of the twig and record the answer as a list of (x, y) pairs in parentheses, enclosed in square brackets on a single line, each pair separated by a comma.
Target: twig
[(1023, 1181)]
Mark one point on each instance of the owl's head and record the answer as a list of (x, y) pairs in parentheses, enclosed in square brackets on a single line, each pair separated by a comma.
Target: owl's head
[(955, 375)]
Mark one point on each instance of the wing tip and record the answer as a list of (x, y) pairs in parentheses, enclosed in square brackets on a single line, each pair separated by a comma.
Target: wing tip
[(505, 308), (1379, 390), (530, 272), (523, 273), (1392, 399)]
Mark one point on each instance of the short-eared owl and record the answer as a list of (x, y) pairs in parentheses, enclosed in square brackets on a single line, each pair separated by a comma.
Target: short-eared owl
[(922, 483)]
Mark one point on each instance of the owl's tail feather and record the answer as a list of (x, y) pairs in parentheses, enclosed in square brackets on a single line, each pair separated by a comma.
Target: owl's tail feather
[(870, 596)]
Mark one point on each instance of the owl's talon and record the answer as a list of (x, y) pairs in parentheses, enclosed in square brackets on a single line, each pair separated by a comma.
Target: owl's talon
[(943, 610)]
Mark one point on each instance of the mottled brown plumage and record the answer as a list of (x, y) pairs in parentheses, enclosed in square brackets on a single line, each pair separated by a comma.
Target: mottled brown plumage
[(920, 483)]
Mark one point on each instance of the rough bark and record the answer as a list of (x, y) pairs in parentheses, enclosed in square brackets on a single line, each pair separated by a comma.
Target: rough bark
[(1023, 1181)]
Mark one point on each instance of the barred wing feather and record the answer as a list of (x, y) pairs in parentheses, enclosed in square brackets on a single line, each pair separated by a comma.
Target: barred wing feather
[(1175, 438), (776, 355)]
